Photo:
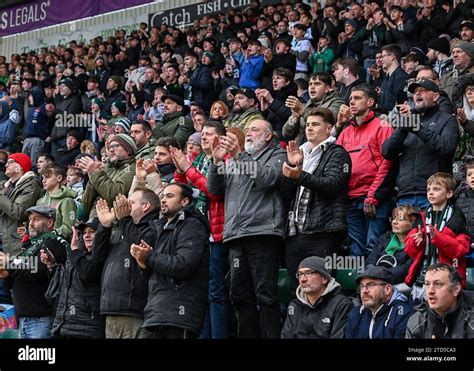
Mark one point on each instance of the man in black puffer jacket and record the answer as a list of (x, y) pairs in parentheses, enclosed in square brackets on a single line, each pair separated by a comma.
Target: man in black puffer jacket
[(178, 266), (424, 147), (124, 286), (315, 182)]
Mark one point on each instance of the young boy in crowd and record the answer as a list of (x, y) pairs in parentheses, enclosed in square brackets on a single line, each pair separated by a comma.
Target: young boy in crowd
[(439, 237), (75, 181), (60, 198)]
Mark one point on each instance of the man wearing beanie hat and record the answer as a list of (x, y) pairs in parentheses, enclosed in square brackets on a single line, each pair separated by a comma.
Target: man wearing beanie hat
[(210, 45), (112, 179), (121, 107), (19, 193), (73, 147), (463, 59), (122, 125), (320, 309), (69, 104), (438, 54), (384, 311), (91, 92), (114, 84)]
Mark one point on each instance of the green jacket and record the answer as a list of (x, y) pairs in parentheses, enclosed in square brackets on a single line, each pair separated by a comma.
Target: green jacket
[(63, 202), (321, 62), (147, 152), (176, 126), (243, 120), (295, 129), (12, 209), (116, 178)]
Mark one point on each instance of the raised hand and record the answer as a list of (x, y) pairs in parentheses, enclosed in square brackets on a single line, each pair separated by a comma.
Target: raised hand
[(344, 114), (140, 252), (180, 159), (121, 206), (418, 236), (297, 108), (106, 216), (140, 170), (150, 166), (74, 239), (292, 172), (295, 155), (218, 151), (230, 143)]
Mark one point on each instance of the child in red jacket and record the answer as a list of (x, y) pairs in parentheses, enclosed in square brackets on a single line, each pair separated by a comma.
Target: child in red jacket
[(440, 237)]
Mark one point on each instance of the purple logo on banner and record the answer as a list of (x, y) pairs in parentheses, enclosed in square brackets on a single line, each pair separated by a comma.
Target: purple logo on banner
[(43, 13)]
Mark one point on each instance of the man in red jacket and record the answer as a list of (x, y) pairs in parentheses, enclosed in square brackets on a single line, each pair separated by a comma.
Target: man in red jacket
[(216, 322), (440, 237), (373, 178)]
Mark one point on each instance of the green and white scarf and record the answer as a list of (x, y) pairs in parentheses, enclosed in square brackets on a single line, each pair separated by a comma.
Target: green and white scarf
[(38, 242)]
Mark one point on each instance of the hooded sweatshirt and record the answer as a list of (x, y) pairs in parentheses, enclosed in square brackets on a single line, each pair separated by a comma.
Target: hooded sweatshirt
[(63, 201), (325, 319)]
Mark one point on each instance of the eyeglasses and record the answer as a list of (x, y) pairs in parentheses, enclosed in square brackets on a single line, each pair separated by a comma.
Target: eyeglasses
[(194, 144), (114, 146), (386, 55), (370, 286), (307, 274), (470, 89), (399, 219)]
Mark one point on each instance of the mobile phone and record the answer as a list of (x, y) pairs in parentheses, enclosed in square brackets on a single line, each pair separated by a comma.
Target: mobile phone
[(50, 255)]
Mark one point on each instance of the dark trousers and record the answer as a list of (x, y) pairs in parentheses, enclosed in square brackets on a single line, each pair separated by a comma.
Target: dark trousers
[(302, 246), (170, 332), (254, 263)]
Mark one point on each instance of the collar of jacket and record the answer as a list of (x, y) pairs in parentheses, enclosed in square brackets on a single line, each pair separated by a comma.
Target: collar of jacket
[(119, 163), (171, 116), (430, 111), (367, 119), (166, 169)]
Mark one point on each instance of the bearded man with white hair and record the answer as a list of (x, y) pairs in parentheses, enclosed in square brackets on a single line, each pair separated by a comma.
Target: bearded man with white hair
[(254, 224)]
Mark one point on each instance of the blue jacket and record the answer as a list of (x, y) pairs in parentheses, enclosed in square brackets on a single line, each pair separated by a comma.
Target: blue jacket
[(389, 322), (251, 72), (37, 125), (7, 126)]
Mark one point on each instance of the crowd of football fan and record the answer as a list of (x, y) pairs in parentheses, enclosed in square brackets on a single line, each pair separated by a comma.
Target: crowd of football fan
[(155, 185)]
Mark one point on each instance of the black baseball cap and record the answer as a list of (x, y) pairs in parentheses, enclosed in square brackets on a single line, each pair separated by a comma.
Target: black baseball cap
[(249, 93), (424, 83)]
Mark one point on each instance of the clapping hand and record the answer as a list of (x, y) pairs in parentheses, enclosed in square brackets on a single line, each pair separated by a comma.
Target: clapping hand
[(106, 216)]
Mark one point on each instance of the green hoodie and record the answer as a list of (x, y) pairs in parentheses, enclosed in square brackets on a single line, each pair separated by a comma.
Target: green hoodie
[(63, 201)]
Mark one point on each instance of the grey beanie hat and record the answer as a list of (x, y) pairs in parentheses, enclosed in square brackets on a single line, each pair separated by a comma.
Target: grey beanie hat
[(467, 47), (317, 264)]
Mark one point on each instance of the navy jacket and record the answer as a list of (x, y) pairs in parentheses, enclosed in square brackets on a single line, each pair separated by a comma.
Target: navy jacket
[(389, 322)]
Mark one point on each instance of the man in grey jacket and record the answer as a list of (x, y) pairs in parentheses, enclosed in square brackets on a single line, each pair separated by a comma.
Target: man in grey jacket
[(254, 223)]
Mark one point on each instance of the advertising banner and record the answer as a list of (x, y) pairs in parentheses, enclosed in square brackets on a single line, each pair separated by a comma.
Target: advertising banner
[(43, 13)]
